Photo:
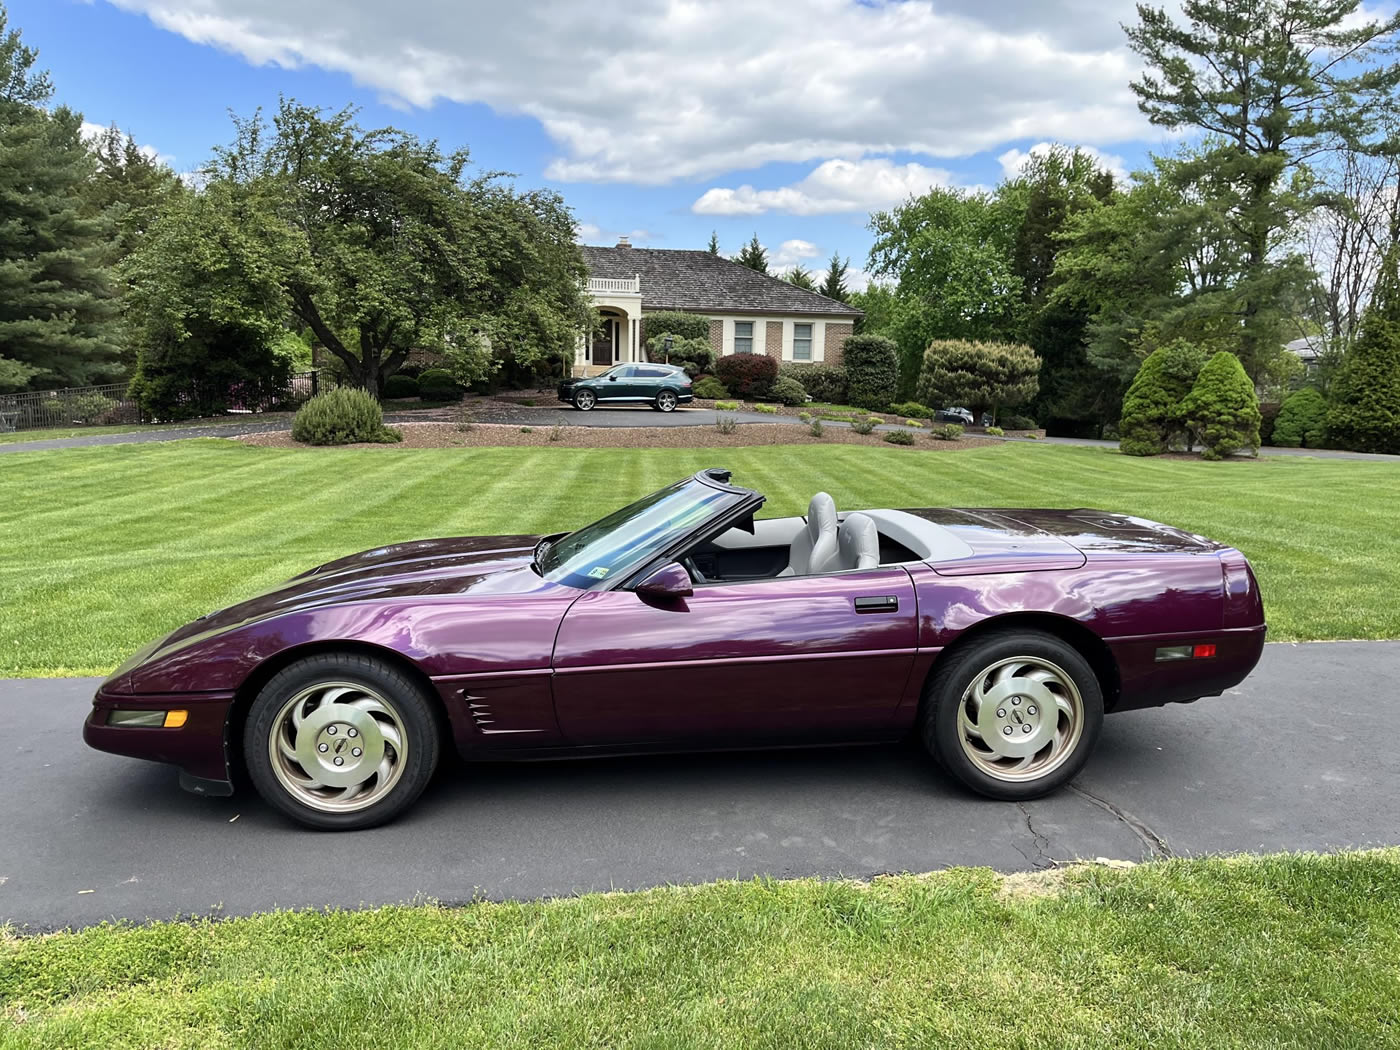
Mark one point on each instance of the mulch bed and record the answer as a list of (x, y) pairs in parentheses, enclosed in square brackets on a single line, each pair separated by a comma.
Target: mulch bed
[(490, 435)]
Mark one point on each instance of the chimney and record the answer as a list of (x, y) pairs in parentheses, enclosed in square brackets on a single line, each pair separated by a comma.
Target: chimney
[(623, 242)]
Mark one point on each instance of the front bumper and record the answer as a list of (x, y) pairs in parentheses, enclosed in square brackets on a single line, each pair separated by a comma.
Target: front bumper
[(199, 747)]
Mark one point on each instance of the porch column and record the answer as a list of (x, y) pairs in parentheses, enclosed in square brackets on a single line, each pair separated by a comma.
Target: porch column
[(636, 344)]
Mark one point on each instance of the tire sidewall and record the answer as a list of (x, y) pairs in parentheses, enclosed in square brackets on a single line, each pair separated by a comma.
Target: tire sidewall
[(413, 708), (955, 672)]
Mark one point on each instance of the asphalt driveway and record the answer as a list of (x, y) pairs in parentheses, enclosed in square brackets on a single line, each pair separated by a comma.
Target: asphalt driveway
[(1301, 756)]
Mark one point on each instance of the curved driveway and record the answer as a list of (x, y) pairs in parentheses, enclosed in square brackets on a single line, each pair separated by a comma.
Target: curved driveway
[(1299, 757)]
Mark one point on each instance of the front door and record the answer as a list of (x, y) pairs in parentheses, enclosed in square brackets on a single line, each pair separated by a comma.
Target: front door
[(603, 342), (794, 659)]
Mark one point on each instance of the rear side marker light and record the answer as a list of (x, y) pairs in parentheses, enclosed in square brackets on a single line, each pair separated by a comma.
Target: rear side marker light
[(147, 719), (1169, 653)]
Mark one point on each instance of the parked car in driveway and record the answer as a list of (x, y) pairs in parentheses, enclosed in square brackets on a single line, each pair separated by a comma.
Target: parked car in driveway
[(683, 621), (663, 387), (953, 415)]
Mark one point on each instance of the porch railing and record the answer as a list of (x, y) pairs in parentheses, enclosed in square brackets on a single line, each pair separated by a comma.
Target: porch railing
[(616, 285)]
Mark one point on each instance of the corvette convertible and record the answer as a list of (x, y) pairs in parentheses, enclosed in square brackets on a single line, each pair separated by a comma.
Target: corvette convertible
[(999, 638)]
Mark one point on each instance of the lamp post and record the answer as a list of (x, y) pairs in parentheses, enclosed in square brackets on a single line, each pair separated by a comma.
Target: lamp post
[(667, 344)]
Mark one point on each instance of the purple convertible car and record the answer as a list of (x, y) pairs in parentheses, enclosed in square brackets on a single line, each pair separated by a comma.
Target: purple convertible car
[(684, 622)]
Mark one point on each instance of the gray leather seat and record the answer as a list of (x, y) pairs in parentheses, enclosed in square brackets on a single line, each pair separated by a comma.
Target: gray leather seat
[(857, 543), (815, 548)]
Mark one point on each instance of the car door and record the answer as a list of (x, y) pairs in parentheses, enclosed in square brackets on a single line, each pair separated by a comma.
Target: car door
[(793, 659), (617, 385)]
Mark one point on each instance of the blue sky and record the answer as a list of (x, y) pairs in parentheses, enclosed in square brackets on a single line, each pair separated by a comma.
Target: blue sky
[(661, 119)]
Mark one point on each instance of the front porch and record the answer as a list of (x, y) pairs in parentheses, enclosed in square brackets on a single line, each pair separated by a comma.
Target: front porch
[(617, 340)]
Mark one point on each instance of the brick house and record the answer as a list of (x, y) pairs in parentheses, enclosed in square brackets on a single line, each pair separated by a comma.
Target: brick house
[(749, 312)]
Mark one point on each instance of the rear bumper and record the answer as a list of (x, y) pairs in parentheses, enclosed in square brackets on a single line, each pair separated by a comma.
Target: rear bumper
[(1145, 682), (199, 747)]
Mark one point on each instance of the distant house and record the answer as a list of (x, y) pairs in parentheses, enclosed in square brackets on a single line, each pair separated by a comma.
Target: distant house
[(1308, 350), (749, 312)]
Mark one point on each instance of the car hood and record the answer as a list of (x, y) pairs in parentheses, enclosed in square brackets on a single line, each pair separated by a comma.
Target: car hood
[(472, 564)]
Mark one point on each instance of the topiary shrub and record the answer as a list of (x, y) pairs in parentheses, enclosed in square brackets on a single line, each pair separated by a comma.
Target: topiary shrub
[(898, 437), (789, 391), (872, 370), (1152, 408), (437, 384), (823, 382), (747, 375), (1302, 421), (343, 416), (911, 410), (400, 385), (709, 387), (1223, 408)]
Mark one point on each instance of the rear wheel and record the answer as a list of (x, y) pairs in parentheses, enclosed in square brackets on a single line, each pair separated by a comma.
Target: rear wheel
[(584, 400), (341, 741), (666, 401), (1013, 716)]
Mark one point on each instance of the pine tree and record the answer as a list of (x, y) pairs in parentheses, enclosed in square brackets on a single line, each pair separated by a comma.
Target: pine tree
[(1223, 408), (55, 294), (834, 287), (801, 278), (1152, 408), (713, 246), (1302, 421), (753, 256), (1365, 413)]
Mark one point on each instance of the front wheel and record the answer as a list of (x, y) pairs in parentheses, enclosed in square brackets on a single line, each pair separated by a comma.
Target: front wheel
[(1013, 716), (666, 401), (584, 400), (341, 741)]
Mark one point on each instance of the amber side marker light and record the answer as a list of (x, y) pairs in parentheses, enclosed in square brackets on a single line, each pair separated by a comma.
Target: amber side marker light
[(147, 719), (1169, 653)]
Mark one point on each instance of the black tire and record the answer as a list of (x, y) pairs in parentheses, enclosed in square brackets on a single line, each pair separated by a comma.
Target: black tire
[(584, 400), (960, 672), (666, 401), (413, 714)]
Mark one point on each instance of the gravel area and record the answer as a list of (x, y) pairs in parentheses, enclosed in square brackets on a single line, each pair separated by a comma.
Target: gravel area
[(490, 435)]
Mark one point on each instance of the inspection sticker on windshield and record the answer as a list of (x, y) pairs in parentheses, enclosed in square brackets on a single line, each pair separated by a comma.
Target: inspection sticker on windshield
[(598, 571)]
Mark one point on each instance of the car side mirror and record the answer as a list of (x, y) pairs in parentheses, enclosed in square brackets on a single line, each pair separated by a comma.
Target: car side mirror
[(667, 584), (612, 379)]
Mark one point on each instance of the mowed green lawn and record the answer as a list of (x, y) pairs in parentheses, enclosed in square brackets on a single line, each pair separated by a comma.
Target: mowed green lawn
[(106, 548), (1273, 952)]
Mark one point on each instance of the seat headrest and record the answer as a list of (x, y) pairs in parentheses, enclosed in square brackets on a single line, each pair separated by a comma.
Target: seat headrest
[(859, 542), (821, 515)]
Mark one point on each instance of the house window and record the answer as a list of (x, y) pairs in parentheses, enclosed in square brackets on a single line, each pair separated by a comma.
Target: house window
[(802, 342), (743, 337)]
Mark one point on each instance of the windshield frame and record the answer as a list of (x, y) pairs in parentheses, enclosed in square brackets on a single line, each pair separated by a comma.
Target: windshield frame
[(722, 515)]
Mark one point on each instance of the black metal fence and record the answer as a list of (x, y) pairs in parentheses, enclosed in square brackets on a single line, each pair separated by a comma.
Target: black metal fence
[(109, 405)]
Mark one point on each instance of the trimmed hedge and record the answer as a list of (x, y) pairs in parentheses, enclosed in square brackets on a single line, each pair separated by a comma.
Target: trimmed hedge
[(872, 370), (789, 391), (437, 384), (824, 382), (747, 375), (911, 410), (1223, 408), (343, 416), (1302, 421), (399, 385)]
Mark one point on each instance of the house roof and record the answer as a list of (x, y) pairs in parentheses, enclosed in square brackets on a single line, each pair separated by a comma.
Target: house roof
[(673, 279)]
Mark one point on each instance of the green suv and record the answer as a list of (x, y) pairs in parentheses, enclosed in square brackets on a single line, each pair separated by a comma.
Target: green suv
[(663, 387)]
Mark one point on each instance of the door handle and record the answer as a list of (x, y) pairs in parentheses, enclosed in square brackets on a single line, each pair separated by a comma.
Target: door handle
[(877, 603)]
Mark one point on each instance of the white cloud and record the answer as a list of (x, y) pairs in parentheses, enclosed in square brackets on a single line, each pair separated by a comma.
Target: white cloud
[(592, 233), (92, 132), (648, 91), (792, 252), (1013, 160), (835, 186)]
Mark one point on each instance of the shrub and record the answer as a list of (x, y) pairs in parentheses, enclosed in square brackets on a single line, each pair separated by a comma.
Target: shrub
[(863, 426), (465, 421), (979, 375), (342, 416), (996, 432), (90, 408), (400, 385), (912, 410), (789, 391), (747, 375), (727, 406), (1268, 413), (913, 423), (877, 420), (946, 432), (805, 417), (437, 384), (872, 370), (1302, 421), (1223, 408), (898, 437), (1015, 422), (726, 424), (1152, 408), (816, 428), (694, 355), (710, 388), (556, 432), (767, 410), (678, 323), (1365, 412), (823, 382)]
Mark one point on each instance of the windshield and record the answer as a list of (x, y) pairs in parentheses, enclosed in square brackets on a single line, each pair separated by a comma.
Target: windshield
[(626, 538)]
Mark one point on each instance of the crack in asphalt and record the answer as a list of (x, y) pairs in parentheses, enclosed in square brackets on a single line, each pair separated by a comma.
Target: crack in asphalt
[(1042, 842), (1156, 845)]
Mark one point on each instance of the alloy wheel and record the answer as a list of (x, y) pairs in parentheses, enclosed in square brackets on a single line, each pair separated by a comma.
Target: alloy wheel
[(1020, 718), (666, 401), (584, 400)]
